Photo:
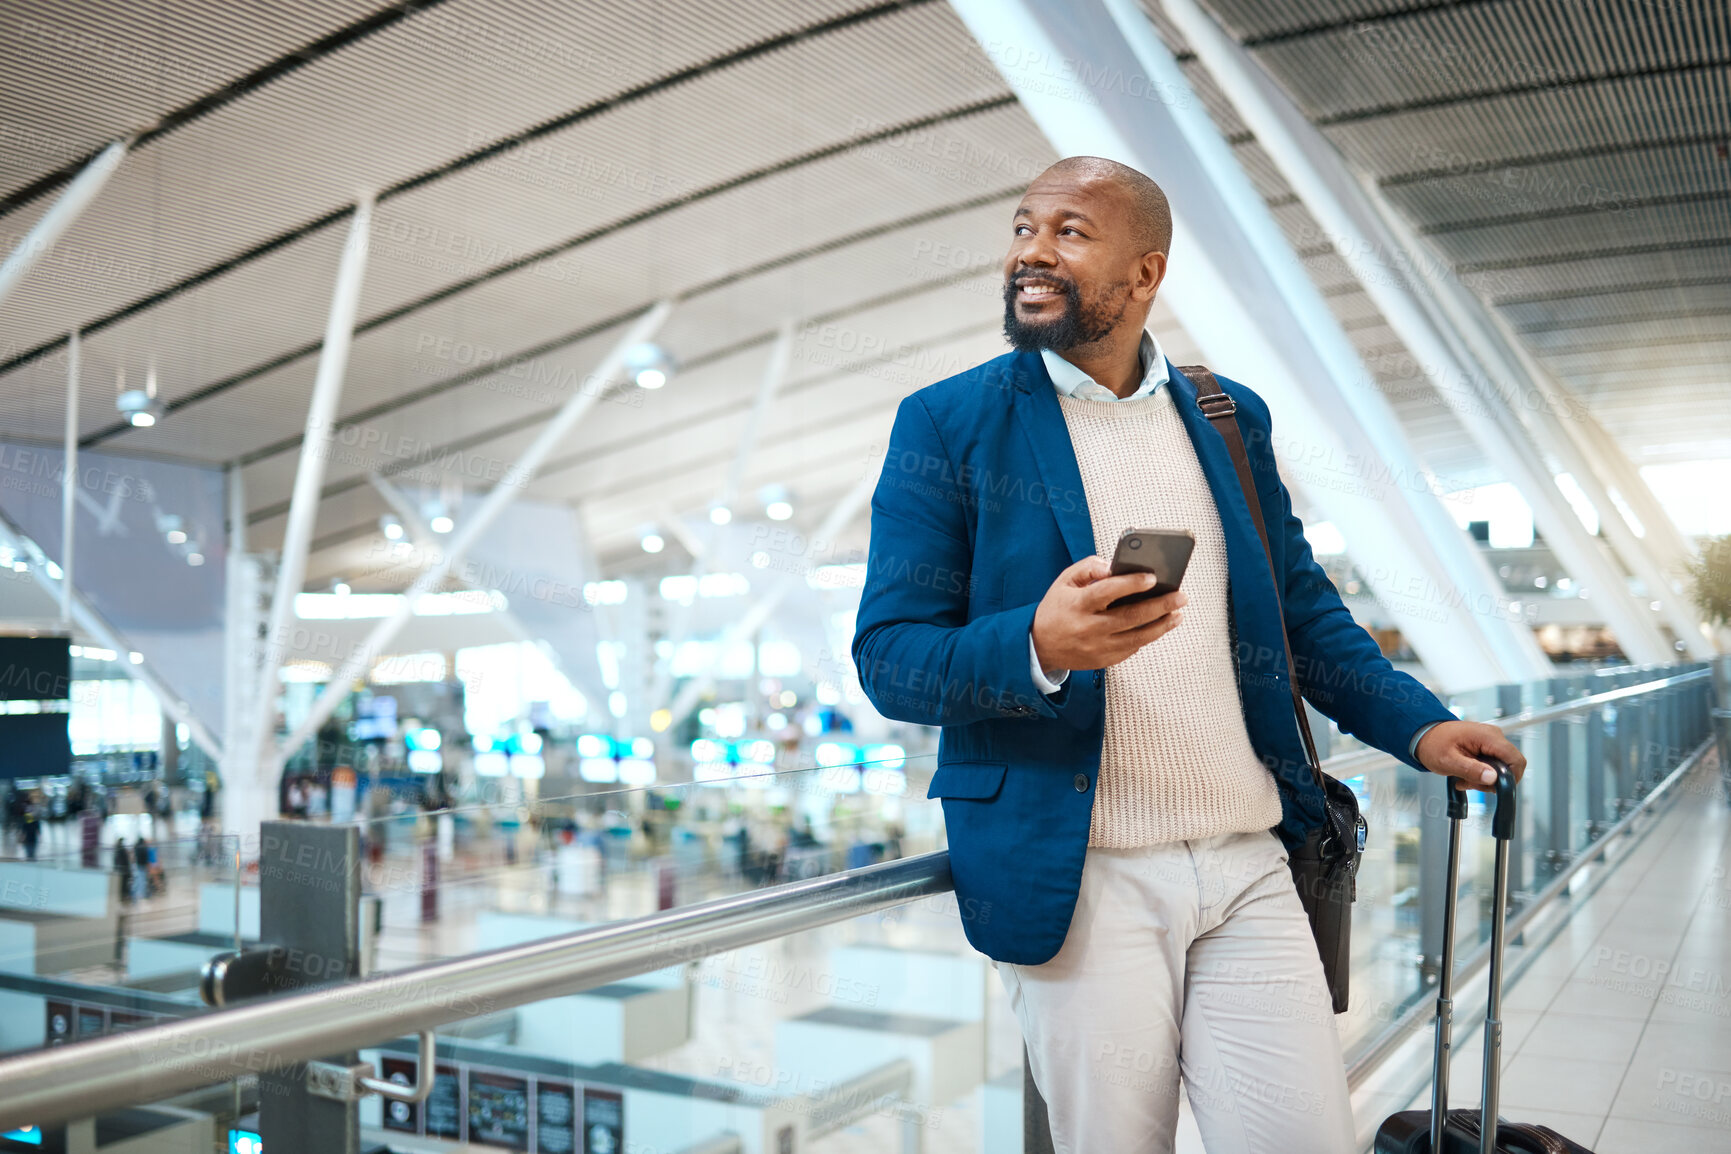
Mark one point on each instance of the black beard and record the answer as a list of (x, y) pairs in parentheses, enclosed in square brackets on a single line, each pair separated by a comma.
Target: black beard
[(1078, 324)]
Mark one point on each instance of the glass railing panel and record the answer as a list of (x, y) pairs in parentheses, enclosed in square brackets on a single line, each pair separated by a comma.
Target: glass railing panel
[(1612, 755), (489, 870), (92, 942), (840, 1038), (852, 1036)]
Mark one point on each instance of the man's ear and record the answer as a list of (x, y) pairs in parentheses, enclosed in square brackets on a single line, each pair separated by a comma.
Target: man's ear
[(1150, 273)]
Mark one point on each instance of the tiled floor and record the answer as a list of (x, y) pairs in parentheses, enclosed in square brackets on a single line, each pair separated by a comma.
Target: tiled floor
[(1619, 1035)]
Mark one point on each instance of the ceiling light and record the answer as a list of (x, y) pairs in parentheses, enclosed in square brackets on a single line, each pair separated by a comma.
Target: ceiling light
[(139, 406), (777, 504), (650, 539), (340, 587), (176, 537), (195, 559), (441, 524), (648, 365), (720, 514), (391, 528)]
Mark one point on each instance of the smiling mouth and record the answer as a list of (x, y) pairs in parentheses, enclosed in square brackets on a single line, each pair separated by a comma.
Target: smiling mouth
[(1038, 291)]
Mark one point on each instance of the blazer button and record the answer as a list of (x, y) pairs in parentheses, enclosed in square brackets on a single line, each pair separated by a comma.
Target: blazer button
[(1081, 783)]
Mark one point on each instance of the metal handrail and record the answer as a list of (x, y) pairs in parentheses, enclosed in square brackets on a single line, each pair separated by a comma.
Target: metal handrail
[(1360, 760), (47, 1087), (77, 1080), (1581, 704)]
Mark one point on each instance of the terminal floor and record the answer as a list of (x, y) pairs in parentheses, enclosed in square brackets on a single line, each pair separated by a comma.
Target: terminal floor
[(1619, 1034)]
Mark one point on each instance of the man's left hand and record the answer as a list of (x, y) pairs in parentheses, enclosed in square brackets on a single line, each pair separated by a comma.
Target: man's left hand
[(1453, 748)]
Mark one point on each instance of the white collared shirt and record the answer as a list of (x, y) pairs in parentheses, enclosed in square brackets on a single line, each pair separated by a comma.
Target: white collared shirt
[(1073, 382)]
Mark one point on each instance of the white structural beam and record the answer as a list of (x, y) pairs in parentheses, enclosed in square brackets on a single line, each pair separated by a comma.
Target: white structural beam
[(246, 800), (92, 624), (1558, 425), (1463, 378), (769, 384), (310, 473), (606, 626), (676, 528), (59, 218), (1097, 80), (69, 478), (515, 480), (420, 534), (841, 514)]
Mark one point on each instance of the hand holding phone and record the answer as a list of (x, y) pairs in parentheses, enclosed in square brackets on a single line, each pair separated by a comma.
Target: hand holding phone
[(1162, 552), (1080, 624)]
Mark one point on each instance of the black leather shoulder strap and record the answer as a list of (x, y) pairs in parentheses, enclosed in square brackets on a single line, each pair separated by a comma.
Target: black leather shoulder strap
[(1222, 412)]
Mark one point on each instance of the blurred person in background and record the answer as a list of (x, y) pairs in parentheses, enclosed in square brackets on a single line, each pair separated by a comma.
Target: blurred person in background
[(30, 825), (123, 869), (142, 856), (11, 818)]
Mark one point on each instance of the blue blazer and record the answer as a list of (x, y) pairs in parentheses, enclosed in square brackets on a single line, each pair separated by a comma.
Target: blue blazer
[(979, 507)]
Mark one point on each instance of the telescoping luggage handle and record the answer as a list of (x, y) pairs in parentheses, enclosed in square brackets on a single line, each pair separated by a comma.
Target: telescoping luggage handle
[(1503, 831)]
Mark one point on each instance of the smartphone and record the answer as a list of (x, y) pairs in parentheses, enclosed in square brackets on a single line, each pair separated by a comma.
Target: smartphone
[(1162, 552)]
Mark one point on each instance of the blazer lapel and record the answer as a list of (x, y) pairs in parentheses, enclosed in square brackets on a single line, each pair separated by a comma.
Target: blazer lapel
[(1036, 404)]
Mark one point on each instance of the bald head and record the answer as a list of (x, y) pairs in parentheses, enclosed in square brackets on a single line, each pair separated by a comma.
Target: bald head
[(1150, 214), (1086, 258)]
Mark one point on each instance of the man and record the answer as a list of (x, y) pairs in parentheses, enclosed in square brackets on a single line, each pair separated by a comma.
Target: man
[(1121, 785)]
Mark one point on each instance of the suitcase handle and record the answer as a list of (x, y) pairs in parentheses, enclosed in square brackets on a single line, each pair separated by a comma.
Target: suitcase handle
[(1502, 829), (1440, 1059), (1503, 820)]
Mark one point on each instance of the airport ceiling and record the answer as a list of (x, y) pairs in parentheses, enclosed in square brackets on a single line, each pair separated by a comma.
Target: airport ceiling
[(545, 172)]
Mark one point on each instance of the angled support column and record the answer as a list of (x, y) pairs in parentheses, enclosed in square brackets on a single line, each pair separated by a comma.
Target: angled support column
[(59, 218), (1498, 349), (1379, 259), (774, 374), (69, 479), (419, 533), (245, 802), (310, 474), (516, 479), (1097, 80), (747, 625), (681, 532)]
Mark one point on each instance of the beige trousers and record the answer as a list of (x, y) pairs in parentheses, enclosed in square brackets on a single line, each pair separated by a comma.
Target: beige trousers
[(1194, 960)]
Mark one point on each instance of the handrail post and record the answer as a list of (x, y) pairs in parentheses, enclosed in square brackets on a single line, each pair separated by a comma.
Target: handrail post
[(309, 906), (1036, 1122)]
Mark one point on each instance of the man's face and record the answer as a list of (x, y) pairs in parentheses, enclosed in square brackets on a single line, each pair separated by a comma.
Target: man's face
[(1074, 272)]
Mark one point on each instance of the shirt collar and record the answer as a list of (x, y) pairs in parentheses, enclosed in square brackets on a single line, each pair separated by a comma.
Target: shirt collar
[(1071, 381)]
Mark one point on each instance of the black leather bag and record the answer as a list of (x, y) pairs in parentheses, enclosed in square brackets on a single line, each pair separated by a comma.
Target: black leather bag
[(1325, 867)]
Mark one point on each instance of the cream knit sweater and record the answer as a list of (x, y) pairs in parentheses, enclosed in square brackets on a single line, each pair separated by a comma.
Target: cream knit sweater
[(1177, 762)]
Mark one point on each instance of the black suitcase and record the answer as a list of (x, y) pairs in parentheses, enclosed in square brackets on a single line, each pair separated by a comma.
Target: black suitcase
[(1463, 1131)]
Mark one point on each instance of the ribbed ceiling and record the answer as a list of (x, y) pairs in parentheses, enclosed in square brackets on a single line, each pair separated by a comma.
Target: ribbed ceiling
[(1568, 159), (545, 172)]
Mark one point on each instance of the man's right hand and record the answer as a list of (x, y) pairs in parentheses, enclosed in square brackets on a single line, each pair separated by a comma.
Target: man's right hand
[(1073, 629)]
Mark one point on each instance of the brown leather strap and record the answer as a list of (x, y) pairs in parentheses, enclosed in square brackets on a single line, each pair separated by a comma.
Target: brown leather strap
[(1222, 412)]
